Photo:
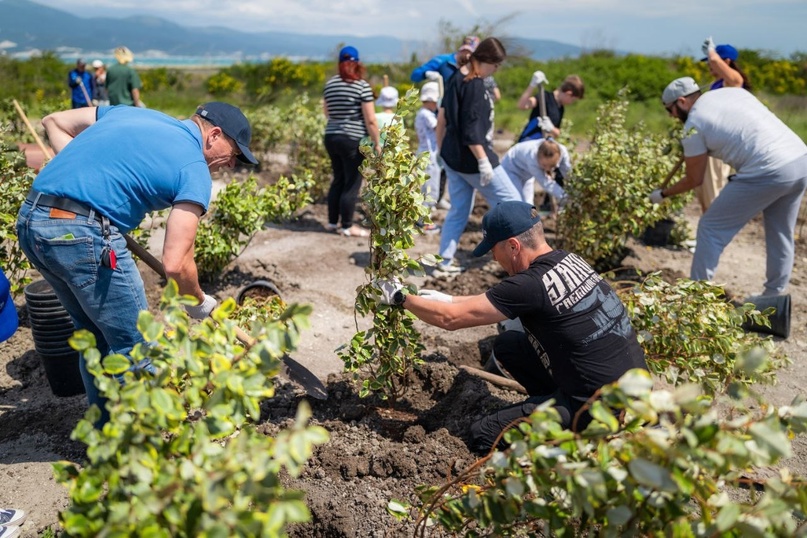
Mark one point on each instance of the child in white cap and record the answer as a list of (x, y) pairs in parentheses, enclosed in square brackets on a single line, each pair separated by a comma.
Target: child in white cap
[(425, 125), (387, 100)]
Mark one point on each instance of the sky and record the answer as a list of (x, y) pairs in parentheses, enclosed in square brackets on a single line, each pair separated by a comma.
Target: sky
[(641, 26)]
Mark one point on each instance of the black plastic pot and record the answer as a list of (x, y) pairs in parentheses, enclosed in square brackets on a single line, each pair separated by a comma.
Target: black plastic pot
[(780, 319), (51, 327), (660, 234), (64, 376), (262, 288)]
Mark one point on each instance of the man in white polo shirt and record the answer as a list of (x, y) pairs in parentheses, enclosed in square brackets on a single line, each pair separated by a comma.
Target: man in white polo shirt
[(771, 164)]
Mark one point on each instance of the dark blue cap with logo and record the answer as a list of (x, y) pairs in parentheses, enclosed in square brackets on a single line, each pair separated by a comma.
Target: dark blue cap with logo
[(506, 220), (233, 123)]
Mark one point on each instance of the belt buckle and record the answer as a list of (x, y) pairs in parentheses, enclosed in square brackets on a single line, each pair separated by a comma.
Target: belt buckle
[(56, 213)]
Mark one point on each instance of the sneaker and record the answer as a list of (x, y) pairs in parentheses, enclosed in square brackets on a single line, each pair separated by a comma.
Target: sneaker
[(355, 231), (331, 227), (9, 532), (447, 270), (11, 517), (430, 229), (443, 204)]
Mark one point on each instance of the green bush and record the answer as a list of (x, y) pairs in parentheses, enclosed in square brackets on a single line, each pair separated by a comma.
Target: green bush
[(15, 182), (608, 191), (180, 456)]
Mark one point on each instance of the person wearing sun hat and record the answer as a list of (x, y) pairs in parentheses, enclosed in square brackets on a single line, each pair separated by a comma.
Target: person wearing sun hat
[(388, 101), (143, 161), (575, 333), (770, 163), (122, 81), (349, 108)]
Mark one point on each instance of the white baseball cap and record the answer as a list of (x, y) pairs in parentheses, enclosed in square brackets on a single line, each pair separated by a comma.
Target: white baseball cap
[(680, 87), (430, 92)]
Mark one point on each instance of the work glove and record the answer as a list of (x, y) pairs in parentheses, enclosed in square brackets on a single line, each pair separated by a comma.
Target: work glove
[(432, 75), (708, 46), (485, 171), (434, 295), (203, 309), (546, 124), (391, 291), (656, 197), (538, 78)]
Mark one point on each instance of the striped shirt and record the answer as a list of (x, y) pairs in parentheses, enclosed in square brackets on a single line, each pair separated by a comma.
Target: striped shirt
[(344, 100)]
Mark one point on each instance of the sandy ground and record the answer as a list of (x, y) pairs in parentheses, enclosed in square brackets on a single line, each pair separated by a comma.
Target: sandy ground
[(312, 266)]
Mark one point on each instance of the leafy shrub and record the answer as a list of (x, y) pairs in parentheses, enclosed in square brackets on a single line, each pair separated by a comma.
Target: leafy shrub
[(180, 455), (14, 186), (393, 199), (692, 334), (608, 192), (223, 84), (162, 78), (661, 467), (239, 212)]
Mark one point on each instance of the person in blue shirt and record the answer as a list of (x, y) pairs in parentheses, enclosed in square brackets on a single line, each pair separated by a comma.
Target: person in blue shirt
[(445, 65), (82, 85), (72, 223)]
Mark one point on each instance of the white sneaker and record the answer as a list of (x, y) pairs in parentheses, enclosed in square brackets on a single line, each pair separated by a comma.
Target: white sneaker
[(443, 204), (9, 532), (11, 518), (447, 270)]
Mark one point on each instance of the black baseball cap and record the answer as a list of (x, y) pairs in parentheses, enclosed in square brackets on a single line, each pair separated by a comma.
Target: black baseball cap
[(506, 220), (233, 123)]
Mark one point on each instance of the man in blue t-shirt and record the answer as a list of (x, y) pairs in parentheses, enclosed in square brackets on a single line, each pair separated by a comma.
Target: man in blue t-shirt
[(82, 85), (72, 223)]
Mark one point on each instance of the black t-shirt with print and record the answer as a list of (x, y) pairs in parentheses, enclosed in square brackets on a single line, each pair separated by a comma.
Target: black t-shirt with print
[(469, 121), (574, 320)]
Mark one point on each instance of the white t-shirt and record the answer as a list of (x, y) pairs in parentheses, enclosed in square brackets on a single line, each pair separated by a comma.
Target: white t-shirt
[(734, 126), (425, 125)]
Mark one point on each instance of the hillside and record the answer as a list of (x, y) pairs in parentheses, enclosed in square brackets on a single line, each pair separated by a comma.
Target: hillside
[(27, 26)]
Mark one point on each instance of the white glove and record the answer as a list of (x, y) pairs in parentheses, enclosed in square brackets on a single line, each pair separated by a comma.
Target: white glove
[(656, 197), (708, 46), (485, 171), (203, 309), (538, 78), (391, 291), (432, 75), (546, 124), (434, 295)]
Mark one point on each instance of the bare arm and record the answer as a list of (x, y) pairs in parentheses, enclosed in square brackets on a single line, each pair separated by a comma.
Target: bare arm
[(527, 100), (464, 312), (478, 151), (136, 96), (368, 111), (695, 169), (731, 77), (325, 108), (180, 233), (62, 127)]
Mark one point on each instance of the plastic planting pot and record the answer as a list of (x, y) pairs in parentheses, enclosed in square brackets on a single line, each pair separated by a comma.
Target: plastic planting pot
[(62, 371), (258, 289), (659, 235), (780, 319)]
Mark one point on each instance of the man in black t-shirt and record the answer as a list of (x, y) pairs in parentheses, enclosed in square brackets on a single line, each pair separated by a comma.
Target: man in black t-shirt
[(577, 335)]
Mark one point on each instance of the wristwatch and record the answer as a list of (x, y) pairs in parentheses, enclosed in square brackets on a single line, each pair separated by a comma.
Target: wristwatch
[(399, 298)]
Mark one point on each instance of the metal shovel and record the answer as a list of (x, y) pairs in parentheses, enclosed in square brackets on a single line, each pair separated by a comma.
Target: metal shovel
[(293, 369)]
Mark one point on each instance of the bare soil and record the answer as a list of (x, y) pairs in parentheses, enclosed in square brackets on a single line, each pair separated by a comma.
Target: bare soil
[(375, 453)]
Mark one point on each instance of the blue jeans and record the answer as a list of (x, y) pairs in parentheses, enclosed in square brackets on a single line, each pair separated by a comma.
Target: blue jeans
[(461, 190), (101, 300)]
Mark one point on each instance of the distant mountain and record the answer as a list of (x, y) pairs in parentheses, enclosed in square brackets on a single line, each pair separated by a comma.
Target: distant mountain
[(27, 26)]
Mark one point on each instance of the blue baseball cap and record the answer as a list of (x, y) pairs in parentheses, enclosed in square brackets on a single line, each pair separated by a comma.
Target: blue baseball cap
[(8, 311), (233, 123), (506, 220), (727, 52), (348, 54)]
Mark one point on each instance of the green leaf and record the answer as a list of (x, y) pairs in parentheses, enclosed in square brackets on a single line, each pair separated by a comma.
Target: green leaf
[(116, 364)]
